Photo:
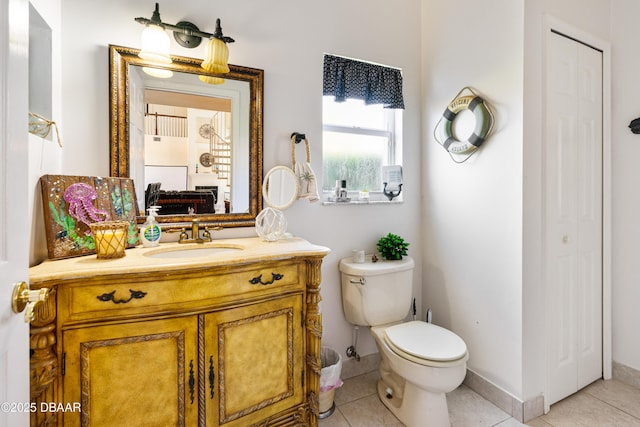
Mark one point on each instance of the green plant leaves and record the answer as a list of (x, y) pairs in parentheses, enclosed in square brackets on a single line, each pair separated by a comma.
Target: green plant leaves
[(392, 247)]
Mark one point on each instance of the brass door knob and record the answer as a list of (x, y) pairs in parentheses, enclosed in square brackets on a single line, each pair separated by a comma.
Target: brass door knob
[(23, 298)]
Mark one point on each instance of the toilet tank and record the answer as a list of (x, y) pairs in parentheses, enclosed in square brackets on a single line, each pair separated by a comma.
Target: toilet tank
[(376, 293)]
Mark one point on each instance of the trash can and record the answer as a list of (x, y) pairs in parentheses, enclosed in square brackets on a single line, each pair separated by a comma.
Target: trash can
[(329, 380)]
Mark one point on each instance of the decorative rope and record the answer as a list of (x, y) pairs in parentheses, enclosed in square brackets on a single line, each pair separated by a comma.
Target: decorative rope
[(41, 126), (293, 151)]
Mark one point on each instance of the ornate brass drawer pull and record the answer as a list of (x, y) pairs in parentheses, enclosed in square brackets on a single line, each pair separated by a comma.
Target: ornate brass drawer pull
[(192, 382), (258, 280), (211, 377), (111, 297)]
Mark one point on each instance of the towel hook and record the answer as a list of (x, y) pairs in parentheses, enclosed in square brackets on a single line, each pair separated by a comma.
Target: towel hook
[(298, 137)]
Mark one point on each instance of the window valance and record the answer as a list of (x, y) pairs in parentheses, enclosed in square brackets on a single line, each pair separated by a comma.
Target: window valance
[(375, 84)]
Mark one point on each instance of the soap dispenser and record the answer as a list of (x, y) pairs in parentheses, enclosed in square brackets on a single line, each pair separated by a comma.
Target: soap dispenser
[(150, 231)]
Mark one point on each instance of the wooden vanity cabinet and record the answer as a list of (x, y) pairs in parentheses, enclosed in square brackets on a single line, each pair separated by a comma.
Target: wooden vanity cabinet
[(259, 369), (217, 346), (137, 375)]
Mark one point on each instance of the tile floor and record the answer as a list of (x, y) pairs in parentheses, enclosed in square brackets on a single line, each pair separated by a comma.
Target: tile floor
[(602, 404)]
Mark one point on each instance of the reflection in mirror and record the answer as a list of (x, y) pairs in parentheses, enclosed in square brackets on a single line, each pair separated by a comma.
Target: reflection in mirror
[(195, 143), (194, 149), (280, 187)]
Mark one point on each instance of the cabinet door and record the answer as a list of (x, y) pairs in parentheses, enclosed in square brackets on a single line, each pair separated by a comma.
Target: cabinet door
[(135, 374), (255, 360)]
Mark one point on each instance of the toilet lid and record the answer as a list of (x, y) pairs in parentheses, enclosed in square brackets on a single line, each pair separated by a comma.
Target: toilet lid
[(426, 341)]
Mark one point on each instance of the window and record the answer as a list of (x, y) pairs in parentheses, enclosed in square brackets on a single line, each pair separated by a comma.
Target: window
[(357, 140), (361, 115)]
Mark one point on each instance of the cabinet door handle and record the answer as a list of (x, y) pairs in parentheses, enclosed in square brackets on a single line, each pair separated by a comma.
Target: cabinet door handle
[(111, 297), (211, 377), (192, 382), (258, 280)]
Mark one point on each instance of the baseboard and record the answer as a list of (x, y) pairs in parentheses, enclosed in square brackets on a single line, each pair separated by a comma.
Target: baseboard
[(626, 374), (533, 408), (521, 411)]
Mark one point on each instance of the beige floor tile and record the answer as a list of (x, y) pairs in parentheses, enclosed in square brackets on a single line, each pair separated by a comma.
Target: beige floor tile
[(585, 410), (538, 422), (617, 394), (511, 422), (468, 409), (608, 403), (357, 387), (334, 420), (369, 412)]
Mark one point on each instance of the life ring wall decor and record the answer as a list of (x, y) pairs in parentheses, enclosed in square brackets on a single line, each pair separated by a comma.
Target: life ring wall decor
[(481, 110)]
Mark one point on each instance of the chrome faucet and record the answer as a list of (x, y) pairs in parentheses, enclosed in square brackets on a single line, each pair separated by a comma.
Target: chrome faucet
[(195, 233)]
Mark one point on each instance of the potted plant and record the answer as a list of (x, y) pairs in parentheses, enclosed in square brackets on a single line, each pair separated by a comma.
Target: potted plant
[(392, 247)]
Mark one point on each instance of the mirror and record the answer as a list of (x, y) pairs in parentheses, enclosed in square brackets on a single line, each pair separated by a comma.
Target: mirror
[(217, 130), (280, 187)]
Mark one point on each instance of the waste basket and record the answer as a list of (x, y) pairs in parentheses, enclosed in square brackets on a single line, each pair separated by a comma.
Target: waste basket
[(329, 379)]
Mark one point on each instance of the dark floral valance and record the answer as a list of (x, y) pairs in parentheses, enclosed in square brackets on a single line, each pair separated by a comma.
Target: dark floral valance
[(375, 84)]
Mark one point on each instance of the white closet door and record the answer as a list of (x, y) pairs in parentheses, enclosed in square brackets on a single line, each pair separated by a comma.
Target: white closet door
[(573, 218)]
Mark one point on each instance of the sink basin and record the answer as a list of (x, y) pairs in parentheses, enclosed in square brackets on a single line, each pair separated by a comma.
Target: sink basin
[(191, 252)]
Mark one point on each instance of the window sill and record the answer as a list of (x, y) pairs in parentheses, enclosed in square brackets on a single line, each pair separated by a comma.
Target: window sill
[(375, 199)]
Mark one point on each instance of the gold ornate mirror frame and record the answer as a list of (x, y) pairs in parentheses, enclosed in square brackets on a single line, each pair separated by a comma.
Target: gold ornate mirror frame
[(120, 59)]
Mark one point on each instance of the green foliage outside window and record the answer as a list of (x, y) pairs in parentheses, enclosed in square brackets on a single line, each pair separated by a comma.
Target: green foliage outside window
[(362, 172)]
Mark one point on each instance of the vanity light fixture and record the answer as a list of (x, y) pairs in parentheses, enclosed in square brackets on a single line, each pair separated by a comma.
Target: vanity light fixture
[(155, 45)]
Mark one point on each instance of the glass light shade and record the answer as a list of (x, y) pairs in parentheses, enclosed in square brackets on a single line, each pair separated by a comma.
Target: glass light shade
[(155, 45), (158, 72), (217, 57), (212, 80)]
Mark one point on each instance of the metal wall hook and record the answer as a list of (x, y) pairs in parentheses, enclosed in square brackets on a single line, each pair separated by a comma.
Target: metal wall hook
[(391, 194), (298, 137)]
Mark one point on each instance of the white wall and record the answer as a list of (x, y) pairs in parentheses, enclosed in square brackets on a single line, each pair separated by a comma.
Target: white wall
[(625, 34), (44, 154), (473, 211), (483, 220), (287, 39)]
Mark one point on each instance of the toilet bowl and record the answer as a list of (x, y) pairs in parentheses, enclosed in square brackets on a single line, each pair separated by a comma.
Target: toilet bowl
[(413, 381), (420, 361)]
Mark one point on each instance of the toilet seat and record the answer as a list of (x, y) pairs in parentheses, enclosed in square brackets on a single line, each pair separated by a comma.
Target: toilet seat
[(425, 343)]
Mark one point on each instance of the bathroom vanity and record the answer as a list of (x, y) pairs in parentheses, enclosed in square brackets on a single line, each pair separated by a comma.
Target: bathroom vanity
[(225, 333)]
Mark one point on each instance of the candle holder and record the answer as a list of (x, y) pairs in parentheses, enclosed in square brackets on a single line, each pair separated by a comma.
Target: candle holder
[(110, 238)]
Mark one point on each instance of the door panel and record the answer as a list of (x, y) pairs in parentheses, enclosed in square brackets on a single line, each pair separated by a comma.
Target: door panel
[(254, 354), (573, 215), (142, 376), (590, 216), (14, 221)]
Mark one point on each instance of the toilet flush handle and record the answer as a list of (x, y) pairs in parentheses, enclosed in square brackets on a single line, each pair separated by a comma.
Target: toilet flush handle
[(360, 280)]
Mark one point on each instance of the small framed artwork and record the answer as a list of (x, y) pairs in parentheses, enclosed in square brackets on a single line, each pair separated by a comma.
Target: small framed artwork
[(72, 203)]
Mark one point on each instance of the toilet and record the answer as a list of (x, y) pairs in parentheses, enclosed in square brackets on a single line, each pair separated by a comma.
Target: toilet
[(420, 361)]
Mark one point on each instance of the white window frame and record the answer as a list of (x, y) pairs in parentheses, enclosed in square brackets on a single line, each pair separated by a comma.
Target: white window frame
[(391, 122)]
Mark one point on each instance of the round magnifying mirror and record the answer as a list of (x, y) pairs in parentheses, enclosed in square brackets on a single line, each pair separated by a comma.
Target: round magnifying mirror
[(280, 187)]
